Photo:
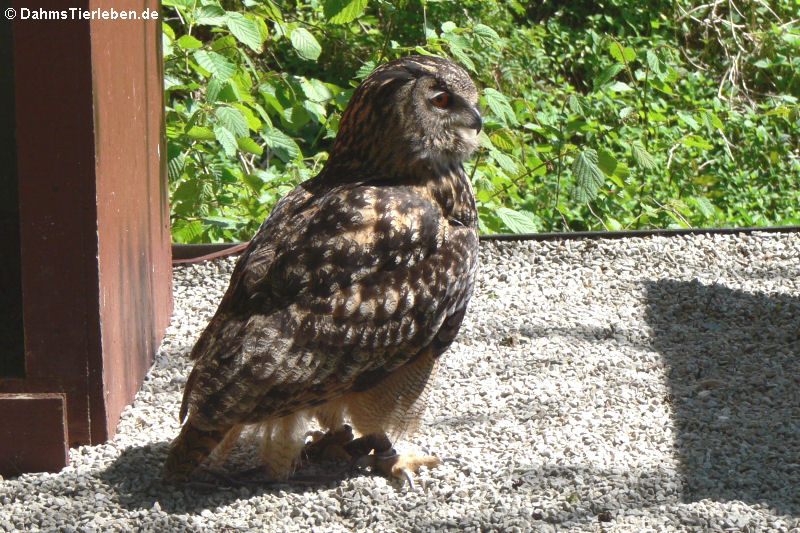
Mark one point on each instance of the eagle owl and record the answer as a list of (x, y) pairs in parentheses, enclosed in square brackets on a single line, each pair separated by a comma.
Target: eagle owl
[(351, 289)]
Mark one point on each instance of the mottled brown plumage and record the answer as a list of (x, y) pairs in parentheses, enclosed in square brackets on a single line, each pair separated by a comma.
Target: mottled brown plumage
[(353, 286)]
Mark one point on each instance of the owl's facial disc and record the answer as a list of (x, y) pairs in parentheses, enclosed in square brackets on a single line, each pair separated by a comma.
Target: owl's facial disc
[(459, 122)]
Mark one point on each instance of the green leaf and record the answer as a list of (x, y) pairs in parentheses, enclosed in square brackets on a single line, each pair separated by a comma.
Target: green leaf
[(711, 120), (364, 70), (254, 180), (233, 120), (187, 192), (226, 46), (619, 87), (696, 141), (505, 161), (653, 62), (484, 141), (178, 3), (199, 133), (273, 10), (296, 117), (280, 143), (305, 44), (252, 120), (228, 92), (606, 75), (185, 232), (688, 119), (621, 172), (246, 144), (188, 42), (212, 90), (175, 167), (627, 112), (245, 30), (623, 54), (456, 40), (535, 165), (660, 85), (483, 195), (210, 16), (588, 176), (268, 93), (578, 105), (315, 90), (218, 65), (167, 49), (516, 221), (228, 176), (343, 11), (607, 162), (486, 34), (642, 156), (462, 57), (703, 205), (222, 222), (168, 31), (503, 139), (499, 105), (315, 110), (240, 84), (226, 139), (262, 113)]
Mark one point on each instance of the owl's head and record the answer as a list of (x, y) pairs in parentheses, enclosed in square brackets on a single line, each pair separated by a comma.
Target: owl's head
[(418, 108)]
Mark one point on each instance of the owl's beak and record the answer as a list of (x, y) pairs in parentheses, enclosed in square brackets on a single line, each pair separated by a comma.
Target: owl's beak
[(476, 123)]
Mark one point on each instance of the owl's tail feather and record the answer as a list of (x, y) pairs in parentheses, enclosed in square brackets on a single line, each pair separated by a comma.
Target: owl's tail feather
[(188, 450)]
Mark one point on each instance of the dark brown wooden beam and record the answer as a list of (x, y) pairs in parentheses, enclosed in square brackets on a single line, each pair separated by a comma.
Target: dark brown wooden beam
[(40, 422)]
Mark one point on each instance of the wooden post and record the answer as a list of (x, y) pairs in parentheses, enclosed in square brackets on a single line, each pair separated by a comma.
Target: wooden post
[(92, 217)]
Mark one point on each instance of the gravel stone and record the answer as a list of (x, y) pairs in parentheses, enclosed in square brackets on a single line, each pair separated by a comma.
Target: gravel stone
[(643, 384)]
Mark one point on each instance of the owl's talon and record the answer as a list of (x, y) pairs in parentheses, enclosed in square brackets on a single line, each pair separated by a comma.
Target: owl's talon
[(330, 445), (407, 473), (402, 466)]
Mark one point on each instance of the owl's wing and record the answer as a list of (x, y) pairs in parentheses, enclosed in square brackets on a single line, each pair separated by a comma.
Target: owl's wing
[(333, 294)]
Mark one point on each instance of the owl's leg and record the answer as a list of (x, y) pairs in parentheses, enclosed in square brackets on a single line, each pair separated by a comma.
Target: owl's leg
[(393, 406), (189, 449), (282, 443), (329, 444)]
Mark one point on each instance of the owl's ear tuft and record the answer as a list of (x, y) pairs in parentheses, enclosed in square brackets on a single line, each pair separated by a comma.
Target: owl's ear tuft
[(392, 76)]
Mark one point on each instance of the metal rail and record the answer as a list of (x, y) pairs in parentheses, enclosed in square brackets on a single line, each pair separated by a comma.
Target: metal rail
[(193, 253)]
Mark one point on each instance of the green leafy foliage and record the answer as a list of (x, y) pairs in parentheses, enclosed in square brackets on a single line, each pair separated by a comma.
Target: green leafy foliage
[(343, 11), (596, 116), (588, 176)]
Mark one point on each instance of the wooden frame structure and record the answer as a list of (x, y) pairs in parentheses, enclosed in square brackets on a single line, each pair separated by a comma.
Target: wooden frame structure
[(86, 248)]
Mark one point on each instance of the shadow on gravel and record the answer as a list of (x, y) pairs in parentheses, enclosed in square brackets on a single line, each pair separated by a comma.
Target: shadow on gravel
[(733, 367), (135, 476)]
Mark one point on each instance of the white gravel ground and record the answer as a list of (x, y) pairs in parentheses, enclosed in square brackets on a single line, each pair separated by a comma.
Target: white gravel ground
[(644, 384)]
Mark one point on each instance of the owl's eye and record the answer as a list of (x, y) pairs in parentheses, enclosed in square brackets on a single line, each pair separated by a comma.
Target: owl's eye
[(441, 100)]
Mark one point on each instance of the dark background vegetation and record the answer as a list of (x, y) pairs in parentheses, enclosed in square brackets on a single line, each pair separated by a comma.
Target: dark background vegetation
[(617, 114)]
